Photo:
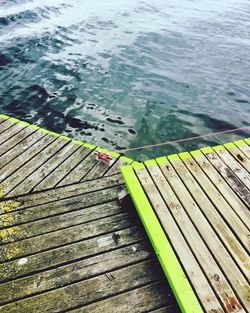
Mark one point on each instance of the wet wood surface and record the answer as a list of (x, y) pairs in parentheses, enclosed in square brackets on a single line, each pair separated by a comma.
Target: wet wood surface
[(66, 244), (202, 202)]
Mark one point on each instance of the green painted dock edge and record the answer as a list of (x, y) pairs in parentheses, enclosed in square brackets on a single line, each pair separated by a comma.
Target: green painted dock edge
[(176, 277), (86, 145)]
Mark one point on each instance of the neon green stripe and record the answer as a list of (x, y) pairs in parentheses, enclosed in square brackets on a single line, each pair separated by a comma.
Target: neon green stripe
[(111, 153), (177, 279), (184, 155), (218, 148), (34, 127), (89, 146), (24, 123), (49, 132), (207, 150), (240, 143), (128, 160), (137, 165), (229, 145), (65, 138), (4, 116), (162, 160), (150, 163), (173, 157), (78, 142), (196, 153), (14, 120), (247, 141)]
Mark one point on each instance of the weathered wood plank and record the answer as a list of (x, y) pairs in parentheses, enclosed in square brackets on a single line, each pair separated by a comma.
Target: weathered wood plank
[(193, 269), (234, 165), (228, 215), (238, 155), (32, 229), (11, 131), (66, 167), (233, 181), (239, 207), (117, 166), (6, 124), (209, 236), (70, 253), (243, 146), (27, 155), (98, 170), (15, 140), (12, 183), (62, 237), (169, 309), (66, 149), (137, 301), (78, 173), (53, 210), (21, 148), (72, 273), (56, 194), (3, 118), (83, 293)]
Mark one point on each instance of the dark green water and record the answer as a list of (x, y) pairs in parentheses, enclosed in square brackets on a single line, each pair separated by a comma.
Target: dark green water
[(126, 73)]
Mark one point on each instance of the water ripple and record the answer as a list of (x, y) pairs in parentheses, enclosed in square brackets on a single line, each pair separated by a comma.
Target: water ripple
[(126, 74)]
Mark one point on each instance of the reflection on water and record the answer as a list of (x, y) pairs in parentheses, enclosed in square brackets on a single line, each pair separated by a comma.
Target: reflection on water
[(127, 73)]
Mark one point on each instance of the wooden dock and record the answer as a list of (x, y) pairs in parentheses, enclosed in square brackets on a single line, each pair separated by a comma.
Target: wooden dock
[(195, 209), (66, 243)]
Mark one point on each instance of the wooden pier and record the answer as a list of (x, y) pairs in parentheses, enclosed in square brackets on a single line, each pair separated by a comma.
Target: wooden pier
[(195, 208), (67, 244)]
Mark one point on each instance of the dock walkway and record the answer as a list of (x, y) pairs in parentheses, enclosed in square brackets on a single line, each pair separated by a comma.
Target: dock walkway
[(66, 243), (195, 208)]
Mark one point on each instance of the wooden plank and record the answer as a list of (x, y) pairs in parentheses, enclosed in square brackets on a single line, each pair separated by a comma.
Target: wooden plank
[(239, 207), (194, 242), (70, 253), (60, 193), (56, 222), (116, 168), (243, 146), (6, 124), (168, 260), (73, 272), (12, 183), (169, 309), (41, 212), (78, 173), (58, 238), (11, 131), (85, 292), (18, 138), (221, 255), (227, 213), (20, 149), (239, 171), (66, 167), (3, 118), (238, 155), (138, 300), (23, 158), (100, 169), (66, 149), (233, 181)]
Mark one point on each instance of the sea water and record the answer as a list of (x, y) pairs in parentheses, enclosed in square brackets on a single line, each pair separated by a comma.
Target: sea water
[(123, 74)]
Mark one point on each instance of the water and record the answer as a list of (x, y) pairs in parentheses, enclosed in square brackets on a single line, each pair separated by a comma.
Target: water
[(126, 73)]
